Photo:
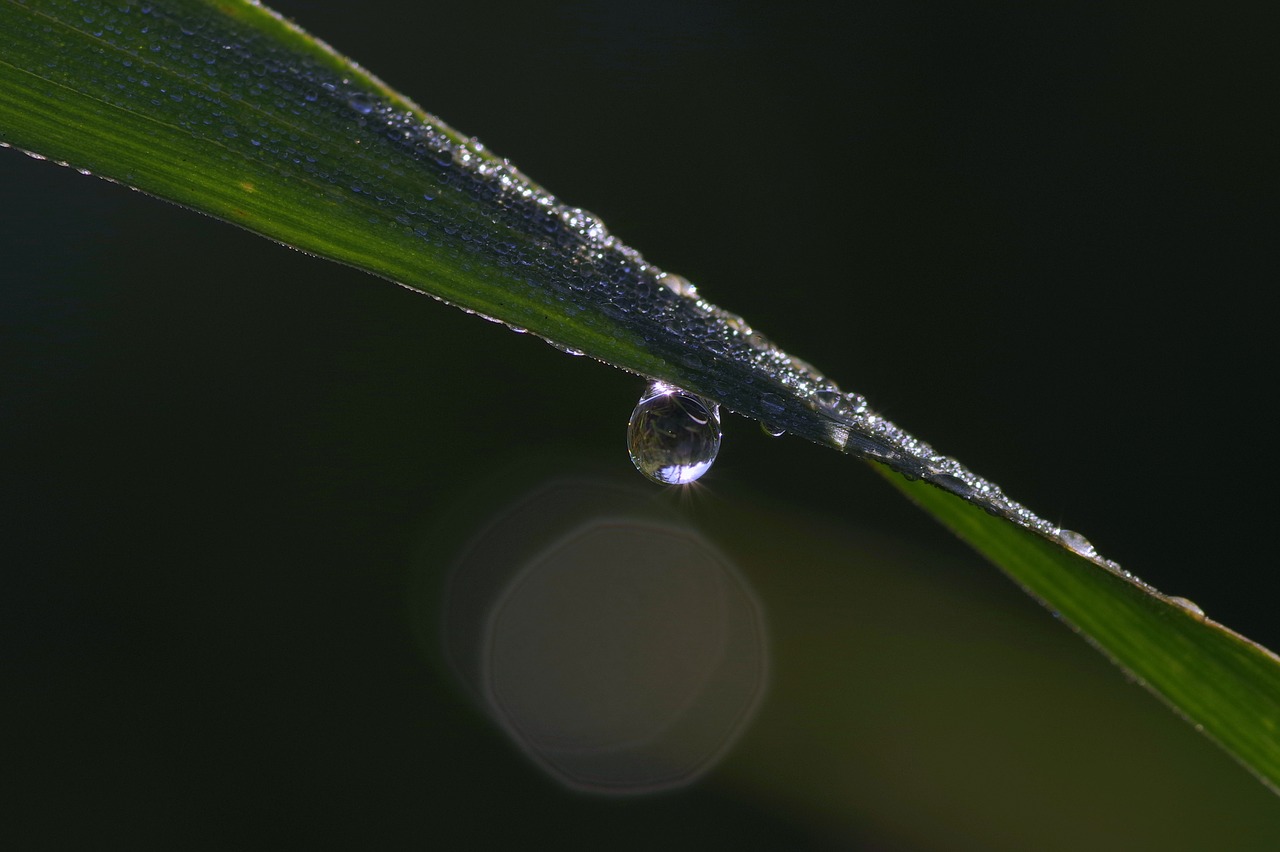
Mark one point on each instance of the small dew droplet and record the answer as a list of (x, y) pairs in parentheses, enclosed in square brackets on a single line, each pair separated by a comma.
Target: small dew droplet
[(568, 350), (771, 430), (1193, 609), (952, 483), (828, 398), (1078, 543), (360, 102), (679, 285), (673, 436), (585, 223)]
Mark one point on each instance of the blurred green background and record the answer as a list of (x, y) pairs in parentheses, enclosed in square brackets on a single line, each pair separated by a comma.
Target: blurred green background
[(1039, 237)]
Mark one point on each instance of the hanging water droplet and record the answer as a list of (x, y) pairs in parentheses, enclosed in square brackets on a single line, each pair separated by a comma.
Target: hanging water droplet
[(771, 430), (1078, 543), (673, 436)]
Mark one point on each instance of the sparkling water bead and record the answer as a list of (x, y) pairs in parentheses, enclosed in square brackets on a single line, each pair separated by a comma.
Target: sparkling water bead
[(673, 436), (1078, 543)]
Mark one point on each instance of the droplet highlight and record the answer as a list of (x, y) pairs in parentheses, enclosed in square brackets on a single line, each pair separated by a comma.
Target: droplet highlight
[(673, 436)]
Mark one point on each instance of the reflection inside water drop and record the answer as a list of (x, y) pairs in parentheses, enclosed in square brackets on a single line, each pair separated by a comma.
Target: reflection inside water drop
[(673, 436)]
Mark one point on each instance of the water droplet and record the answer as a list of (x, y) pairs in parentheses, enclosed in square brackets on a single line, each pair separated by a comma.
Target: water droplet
[(952, 483), (361, 103), (679, 285), (828, 398), (585, 223), (1192, 608), (673, 436), (568, 350), (771, 430), (1078, 543)]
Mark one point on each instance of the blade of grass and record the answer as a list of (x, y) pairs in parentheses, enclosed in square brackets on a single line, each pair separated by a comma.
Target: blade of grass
[(223, 107), (1221, 682)]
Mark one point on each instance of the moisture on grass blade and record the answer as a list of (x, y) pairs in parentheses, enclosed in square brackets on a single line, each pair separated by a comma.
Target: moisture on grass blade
[(221, 106), (227, 108)]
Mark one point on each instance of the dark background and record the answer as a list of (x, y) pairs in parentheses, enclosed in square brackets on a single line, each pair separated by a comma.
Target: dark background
[(1039, 236)]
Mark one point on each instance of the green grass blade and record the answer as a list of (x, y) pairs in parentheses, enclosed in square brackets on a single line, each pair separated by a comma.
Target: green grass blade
[(223, 107), (228, 109), (1224, 684)]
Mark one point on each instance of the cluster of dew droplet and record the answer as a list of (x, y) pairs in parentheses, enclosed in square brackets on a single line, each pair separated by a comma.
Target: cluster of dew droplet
[(852, 425), (294, 84)]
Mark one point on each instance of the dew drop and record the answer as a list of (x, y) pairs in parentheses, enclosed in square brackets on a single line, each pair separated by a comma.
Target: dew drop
[(673, 436), (568, 350), (828, 398), (952, 483), (1078, 543), (585, 223), (679, 285), (361, 103), (1191, 607), (771, 430)]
